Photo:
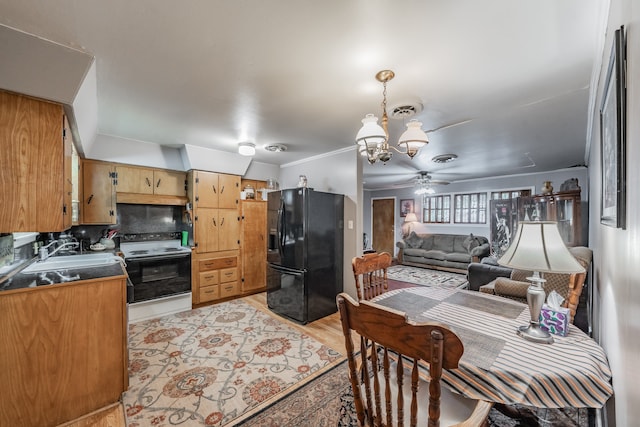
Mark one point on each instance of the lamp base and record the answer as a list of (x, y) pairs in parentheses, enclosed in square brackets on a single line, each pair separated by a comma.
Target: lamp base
[(534, 333)]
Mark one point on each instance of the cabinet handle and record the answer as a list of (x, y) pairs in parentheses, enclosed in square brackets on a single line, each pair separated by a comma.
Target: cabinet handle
[(90, 198), (214, 189), (214, 222), (222, 191), (148, 182), (158, 184), (222, 222)]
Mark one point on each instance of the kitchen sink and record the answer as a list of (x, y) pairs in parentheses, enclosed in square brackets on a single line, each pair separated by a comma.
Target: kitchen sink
[(72, 261)]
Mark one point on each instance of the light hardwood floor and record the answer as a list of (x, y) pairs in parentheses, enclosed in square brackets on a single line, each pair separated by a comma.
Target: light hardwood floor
[(326, 330)]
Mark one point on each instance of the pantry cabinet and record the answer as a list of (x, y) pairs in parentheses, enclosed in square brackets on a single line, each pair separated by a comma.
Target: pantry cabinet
[(98, 193), (34, 168), (253, 246), (215, 190), (216, 229)]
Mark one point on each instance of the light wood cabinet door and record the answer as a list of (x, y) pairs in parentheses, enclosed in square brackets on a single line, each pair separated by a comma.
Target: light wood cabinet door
[(206, 226), (229, 229), (253, 246), (67, 203), (229, 195), (31, 164), (206, 189), (98, 204), (169, 183), (133, 179), (64, 351)]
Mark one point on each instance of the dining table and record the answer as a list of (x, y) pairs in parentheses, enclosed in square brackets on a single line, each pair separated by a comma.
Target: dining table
[(498, 365)]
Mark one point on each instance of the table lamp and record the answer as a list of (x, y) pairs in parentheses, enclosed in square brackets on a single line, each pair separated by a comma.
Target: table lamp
[(538, 247), (408, 222)]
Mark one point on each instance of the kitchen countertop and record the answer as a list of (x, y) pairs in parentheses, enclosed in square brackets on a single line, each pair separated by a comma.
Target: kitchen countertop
[(32, 280)]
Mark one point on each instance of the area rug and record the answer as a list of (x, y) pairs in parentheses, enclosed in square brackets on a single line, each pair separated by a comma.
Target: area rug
[(327, 400), (425, 276), (210, 366)]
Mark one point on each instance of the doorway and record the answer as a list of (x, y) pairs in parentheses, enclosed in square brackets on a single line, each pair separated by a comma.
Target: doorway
[(383, 225)]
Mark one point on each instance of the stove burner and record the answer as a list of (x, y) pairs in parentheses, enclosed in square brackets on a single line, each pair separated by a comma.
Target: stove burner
[(139, 252)]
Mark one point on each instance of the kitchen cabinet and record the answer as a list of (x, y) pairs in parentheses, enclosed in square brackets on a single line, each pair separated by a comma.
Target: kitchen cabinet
[(141, 180), (216, 229), (253, 246), (215, 276), (98, 193), (562, 207), (67, 209), (34, 170), (64, 351), (215, 190), (256, 185)]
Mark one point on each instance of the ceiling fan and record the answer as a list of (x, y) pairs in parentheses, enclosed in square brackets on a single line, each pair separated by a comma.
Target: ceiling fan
[(424, 183)]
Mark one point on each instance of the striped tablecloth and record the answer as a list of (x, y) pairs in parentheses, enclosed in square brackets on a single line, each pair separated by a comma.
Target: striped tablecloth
[(497, 364)]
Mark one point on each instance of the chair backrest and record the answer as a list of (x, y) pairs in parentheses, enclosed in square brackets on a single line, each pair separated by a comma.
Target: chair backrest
[(370, 272), (393, 338), (569, 286)]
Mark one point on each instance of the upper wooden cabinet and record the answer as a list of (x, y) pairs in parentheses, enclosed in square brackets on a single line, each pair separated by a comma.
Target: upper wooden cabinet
[(33, 170), (214, 190), (98, 193), (141, 180)]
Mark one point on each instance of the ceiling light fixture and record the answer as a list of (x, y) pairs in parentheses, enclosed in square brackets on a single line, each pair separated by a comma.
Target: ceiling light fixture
[(247, 148), (373, 139), (423, 182)]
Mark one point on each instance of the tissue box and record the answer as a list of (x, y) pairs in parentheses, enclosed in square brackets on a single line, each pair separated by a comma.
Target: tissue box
[(554, 321)]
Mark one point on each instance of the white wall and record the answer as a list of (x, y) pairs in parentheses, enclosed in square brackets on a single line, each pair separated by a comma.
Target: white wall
[(532, 181), (616, 252), (337, 172)]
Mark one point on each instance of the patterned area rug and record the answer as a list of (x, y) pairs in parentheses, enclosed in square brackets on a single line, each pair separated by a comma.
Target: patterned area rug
[(425, 276), (328, 401), (212, 365)]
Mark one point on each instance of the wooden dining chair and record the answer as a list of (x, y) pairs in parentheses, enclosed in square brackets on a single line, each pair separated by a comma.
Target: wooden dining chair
[(377, 378), (370, 272)]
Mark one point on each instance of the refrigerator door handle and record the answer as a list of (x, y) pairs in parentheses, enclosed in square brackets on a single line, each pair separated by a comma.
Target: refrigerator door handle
[(286, 270), (281, 229)]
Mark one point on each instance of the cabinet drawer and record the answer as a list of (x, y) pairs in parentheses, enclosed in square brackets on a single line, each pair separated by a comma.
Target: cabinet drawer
[(209, 293), (228, 275), (216, 263), (209, 278), (229, 289)]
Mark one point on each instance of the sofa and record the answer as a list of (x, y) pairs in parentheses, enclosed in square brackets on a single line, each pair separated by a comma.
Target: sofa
[(485, 271), (452, 252)]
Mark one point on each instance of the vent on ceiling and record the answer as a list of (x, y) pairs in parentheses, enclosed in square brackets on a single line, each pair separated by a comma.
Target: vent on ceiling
[(276, 148), (444, 158), (405, 110)]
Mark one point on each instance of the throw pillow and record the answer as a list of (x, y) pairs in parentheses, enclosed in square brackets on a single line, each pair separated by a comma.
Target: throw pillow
[(413, 241), (470, 242)]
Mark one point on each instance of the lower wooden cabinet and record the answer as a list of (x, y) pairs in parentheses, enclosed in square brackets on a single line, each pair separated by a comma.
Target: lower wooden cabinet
[(214, 276), (63, 351), (253, 246)]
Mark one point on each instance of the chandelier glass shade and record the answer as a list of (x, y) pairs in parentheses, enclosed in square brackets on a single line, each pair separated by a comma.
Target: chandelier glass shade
[(373, 139)]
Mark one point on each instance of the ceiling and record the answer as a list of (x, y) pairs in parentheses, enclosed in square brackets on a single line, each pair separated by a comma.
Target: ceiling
[(504, 84)]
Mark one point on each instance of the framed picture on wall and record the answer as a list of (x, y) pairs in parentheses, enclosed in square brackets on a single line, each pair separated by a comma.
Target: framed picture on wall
[(406, 206), (612, 137)]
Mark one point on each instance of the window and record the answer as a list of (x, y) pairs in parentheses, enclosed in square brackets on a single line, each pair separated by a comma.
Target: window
[(511, 194), (436, 209), (470, 208)]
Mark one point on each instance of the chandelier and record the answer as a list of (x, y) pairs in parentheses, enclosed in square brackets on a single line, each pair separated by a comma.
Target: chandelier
[(424, 184), (373, 139)]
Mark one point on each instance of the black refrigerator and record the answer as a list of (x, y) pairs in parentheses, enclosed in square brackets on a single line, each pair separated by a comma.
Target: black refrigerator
[(304, 253)]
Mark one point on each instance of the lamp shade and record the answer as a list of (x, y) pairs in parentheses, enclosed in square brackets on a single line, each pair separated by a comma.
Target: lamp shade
[(413, 138), (370, 132), (411, 217), (538, 246)]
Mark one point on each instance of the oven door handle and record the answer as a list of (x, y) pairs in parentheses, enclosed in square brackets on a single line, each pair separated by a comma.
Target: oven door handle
[(158, 257)]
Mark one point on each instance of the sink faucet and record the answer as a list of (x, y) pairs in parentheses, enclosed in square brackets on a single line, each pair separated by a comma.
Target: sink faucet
[(43, 253)]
